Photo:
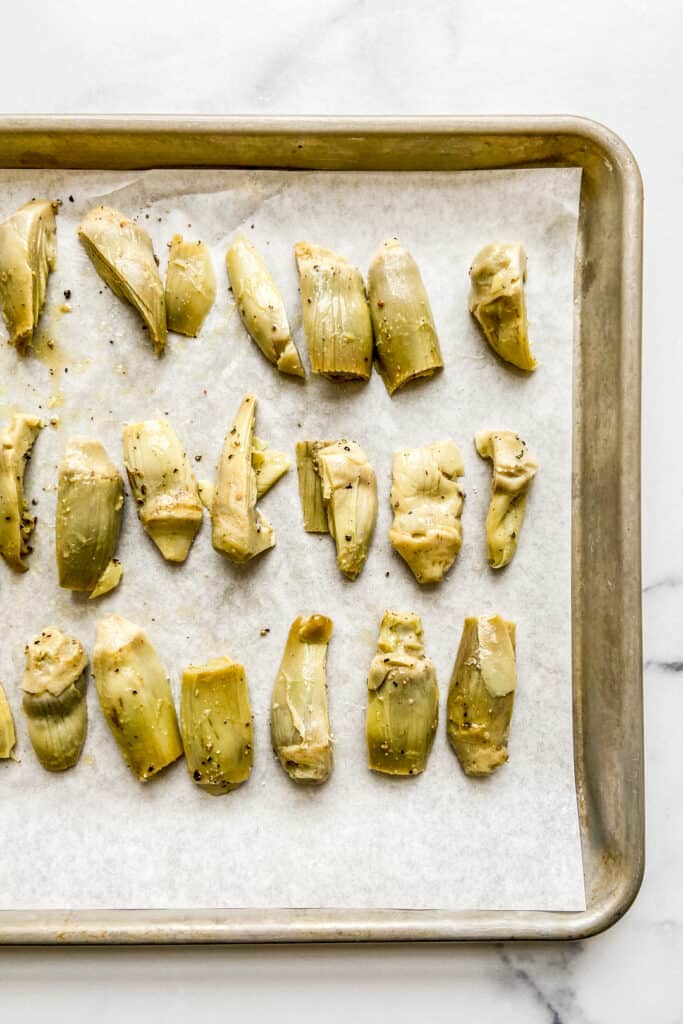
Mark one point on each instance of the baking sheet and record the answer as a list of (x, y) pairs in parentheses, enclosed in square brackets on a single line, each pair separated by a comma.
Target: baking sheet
[(94, 837)]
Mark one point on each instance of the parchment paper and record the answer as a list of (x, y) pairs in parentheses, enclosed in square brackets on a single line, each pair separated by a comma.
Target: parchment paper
[(96, 838)]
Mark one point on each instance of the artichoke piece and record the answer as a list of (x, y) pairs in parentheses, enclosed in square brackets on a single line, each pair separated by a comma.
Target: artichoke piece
[(427, 503), (407, 345), (260, 307), (54, 698), (89, 504), (16, 524), (8, 737), (163, 486), (513, 470), (348, 491), (268, 464), (310, 486), (135, 696), (122, 255), (481, 694), (497, 301), (216, 722), (28, 252), (190, 286), (240, 531), (337, 320), (299, 720), (403, 698)]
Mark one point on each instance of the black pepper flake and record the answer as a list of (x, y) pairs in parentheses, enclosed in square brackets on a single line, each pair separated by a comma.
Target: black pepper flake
[(67, 293), (197, 775)]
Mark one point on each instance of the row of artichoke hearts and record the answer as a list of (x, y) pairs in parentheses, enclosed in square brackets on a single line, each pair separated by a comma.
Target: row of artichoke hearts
[(343, 325), (337, 485), (215, 731)]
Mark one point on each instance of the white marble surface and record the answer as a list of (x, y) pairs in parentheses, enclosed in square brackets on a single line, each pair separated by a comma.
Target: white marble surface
[(617, 62)]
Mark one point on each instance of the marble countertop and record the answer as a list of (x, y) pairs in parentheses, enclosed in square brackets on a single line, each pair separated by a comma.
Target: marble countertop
[(617, 63)]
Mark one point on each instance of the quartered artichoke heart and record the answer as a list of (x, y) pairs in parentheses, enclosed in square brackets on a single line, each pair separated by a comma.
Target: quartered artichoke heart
[(403, 698), (240, 530), (261, 308), (122, 255), (336, 316), (513, 470), (216, 722), (163, 485), (135, 696), (336, 478), (16, 523), (28, 252), (427, 502), (8, 736), (190, 286), (89, 504), (481, 694), (299, 719), (498, 304), (406, 342), (54, 698)]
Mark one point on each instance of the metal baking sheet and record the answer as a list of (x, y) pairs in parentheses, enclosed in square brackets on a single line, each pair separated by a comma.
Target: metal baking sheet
[(193, 925)]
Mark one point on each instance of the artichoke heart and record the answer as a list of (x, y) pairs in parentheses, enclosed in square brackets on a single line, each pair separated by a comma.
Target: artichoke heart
[(89, 504), (16, 523), (310, 488), (216, 722), (190, 286), (299, 720), (28, 252), (403, 698), (347, 491), (336, 316), (240, 530), (481, 694), (54, 698), (513, 470), (123, 256), (8, 736), (407, 345), (261, 308), (498, 304), (163, 485), (135, 696), (427, 503)]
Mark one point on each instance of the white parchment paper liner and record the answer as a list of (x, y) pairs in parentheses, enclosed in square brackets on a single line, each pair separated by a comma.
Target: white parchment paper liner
[(94, 837)]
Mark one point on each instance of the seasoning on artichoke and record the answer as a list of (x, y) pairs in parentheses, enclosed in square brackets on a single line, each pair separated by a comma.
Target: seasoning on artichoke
[(54, 698), (406, 342), (190, 286), (135, 696), (240, 530), (513, 470), (216, 722), (299, 720), (348, 491), (122, 255), (28, 252), (310, 486), (336, 317), (497, 301), (427, 502), (261, 307), (403, 698), (481, 694), (8, 737), (89, 504), (163, 485), (16, 523)]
